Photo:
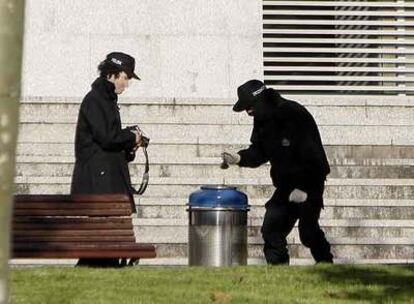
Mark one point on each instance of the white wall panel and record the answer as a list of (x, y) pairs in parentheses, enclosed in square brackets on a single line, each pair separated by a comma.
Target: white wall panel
[(183, 48)]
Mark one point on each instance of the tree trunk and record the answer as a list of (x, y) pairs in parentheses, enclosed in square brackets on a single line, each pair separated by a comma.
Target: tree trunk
[(11, 34)]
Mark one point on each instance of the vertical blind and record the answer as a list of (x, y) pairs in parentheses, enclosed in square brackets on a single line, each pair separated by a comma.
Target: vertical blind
[(328, 47)]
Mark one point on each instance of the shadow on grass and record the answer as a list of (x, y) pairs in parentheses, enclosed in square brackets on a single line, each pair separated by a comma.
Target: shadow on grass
[(376, 284)]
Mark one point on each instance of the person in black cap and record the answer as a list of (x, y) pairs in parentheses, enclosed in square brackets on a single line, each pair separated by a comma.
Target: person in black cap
[(285, 134), (102, 147)]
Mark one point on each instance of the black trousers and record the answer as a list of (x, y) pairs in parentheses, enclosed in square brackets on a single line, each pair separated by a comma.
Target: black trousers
[(279, 220)]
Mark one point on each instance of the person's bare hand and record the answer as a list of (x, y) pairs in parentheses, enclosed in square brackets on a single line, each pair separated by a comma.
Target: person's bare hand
[(137, 138)]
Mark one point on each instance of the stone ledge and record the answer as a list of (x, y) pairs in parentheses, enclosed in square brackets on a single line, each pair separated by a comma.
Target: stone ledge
[(138, 222), (182, 201), (184, 262), (321, 100), (265, 181)]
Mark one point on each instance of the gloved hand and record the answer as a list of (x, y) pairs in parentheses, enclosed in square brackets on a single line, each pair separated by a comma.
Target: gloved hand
[(229, 159), (298, 196)]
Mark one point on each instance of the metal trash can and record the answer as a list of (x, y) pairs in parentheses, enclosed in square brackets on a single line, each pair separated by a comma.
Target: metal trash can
[(217, 227)]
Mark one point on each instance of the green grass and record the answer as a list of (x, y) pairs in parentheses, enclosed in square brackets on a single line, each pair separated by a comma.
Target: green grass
[(253, 284)]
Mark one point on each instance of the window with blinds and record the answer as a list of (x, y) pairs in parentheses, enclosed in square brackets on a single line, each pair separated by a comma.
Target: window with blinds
[(329, 47)]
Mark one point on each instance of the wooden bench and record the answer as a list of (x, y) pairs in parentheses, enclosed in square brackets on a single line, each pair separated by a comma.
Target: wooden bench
[(75, 226)]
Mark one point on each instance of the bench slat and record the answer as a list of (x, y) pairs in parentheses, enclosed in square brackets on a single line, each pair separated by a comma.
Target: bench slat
[(72, 246), (60, 205), (74, 212), (71, 198), (75, 238), (71, 227), (75, 250), (70, 223), (71, 220), (85, 254), (73, 232)]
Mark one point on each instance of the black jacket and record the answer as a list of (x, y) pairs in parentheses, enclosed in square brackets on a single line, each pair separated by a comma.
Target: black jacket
[(289, 138), (102, 147)]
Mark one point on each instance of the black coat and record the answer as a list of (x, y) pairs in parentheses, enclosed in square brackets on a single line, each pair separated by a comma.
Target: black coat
[(288, 137), (102, 147)]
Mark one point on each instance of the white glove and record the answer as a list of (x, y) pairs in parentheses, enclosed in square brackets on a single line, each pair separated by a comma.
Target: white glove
[(229, 159), (298, 196)]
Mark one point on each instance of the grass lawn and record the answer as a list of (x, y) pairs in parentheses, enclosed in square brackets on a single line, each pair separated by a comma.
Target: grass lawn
[(253, 284)]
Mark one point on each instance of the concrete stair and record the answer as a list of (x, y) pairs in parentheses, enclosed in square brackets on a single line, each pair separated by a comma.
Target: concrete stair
[(369, 206)]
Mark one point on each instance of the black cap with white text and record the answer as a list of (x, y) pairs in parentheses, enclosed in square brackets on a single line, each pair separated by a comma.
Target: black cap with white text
[(124, 62)]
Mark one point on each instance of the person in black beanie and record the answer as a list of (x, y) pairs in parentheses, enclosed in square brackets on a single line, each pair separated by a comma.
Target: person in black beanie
[(286, 135), (102, 147)]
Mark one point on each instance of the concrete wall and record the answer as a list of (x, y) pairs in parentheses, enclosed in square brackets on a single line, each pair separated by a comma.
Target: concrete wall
[(183, 48)]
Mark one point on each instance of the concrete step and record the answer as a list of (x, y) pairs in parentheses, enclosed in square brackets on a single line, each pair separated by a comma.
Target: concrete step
[(183, 261), (234, 181), (307, 100), (329, 212), (224, 134), (342, 251), (212, 169), (339, 231), (353, 235), (209, 154), (256, 188), (353, 240), (204, 113), (182, 201), (257, 222), (261, 261), (258, 261)]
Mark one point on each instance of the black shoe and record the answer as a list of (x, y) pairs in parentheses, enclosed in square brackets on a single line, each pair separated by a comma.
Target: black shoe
[(133, 262), (275, 260), (325, 262)]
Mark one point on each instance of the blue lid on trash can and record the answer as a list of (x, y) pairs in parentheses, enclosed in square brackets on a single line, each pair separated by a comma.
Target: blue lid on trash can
[(218, 196)]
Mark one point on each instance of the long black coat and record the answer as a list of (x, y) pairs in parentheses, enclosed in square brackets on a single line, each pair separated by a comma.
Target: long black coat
[(102, 147), (288, 137)]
